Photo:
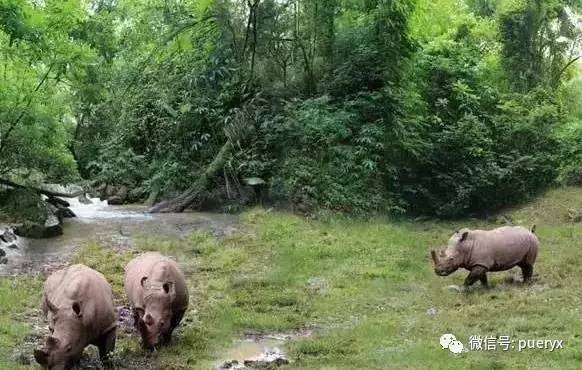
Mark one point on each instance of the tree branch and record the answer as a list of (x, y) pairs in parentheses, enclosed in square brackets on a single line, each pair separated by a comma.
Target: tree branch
[(42, 191)]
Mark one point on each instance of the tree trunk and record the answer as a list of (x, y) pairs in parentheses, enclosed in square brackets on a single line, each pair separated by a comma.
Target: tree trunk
[(48, 193), (193, 194)]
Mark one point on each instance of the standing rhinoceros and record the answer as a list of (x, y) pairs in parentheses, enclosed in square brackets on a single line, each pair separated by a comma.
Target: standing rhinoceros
[(156, 289), (78, 303), (480, 251)]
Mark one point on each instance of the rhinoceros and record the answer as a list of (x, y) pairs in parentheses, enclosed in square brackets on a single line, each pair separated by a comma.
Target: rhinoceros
[(480, 251), (156, 289), (78, 303)]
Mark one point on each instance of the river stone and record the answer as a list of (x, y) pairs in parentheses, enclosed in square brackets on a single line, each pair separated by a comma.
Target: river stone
[(58, 202), (65, 213), (114, 200), (12, 246), (33, 230), (122, 193), (7, 236), (3, 261), (2, 252), (317, 285), (84, 200)]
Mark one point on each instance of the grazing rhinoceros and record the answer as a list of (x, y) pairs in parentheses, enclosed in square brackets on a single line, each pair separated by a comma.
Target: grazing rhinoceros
[(480, 251), (78, 303), (156, 289)]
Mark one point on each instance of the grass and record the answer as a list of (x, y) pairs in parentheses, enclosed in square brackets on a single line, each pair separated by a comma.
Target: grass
[(18, 298), (372, 312)]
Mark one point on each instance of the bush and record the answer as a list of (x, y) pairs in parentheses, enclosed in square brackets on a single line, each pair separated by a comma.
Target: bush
[(469, 147), (325, 157)]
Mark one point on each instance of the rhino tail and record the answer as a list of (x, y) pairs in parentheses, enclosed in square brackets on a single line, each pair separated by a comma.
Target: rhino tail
[(533, 229)]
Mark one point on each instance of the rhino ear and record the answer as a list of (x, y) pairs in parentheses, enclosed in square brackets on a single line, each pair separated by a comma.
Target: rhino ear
[(77, 309), (464, 235), (41, 356)]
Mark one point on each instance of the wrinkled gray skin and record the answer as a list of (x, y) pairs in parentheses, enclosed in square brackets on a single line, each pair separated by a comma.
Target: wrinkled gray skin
[(481, 251), (78, 303), (156, 289)]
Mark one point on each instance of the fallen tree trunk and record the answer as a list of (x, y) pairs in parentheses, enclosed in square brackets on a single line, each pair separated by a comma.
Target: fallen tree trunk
[(193, 194), (48, 193)]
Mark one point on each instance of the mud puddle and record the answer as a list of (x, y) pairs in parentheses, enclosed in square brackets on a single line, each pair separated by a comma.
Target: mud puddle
[(259, 350)]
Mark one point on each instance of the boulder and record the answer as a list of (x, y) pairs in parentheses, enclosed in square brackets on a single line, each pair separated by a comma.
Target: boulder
[(58, 202), (65, 213), (51, 228), (2, 252), (7, 236), (84, 200), (23, 204), (114, 200), (136, 195), (12, 246), (3, 261), (122, 192)]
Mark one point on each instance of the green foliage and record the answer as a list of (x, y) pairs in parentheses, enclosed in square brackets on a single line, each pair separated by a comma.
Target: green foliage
[(470, 147), (411, 106), (23, 205), (325, 156)]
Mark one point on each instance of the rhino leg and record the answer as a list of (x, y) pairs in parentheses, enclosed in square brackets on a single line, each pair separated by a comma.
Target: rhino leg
[(176, 319), (106, 344), (527, 271), (477, 273)]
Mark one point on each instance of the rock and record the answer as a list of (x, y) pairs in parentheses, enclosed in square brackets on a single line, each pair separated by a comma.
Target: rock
[(136, 195), (431, 311), (234, 364), (23, 204), (317, 285), (454, 287), (33, 230), (84, 200), (122, 193), (30, 229), (58, 202), (53, 227), (12, 246), (107, 191), (267, 359), (3, 261), (114, 200), (65, 213), (574, 215), (67, 189), (7, 236), (2, 252)]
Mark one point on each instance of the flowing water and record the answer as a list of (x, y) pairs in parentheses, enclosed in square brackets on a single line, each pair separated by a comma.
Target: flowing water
[(117, 227)]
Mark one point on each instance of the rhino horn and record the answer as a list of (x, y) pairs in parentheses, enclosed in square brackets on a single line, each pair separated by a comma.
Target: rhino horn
[(41, 356), (434, 256), (50, 305)]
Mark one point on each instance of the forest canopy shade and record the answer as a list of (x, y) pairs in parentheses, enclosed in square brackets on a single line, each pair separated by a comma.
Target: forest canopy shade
[(438, 107)]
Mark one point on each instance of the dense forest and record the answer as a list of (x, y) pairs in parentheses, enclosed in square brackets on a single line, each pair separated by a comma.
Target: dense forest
[(442, 107), (340, 162)]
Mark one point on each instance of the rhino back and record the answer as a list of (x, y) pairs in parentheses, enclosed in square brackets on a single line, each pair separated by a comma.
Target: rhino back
[(79, 283), (158, 269), (503, 248)]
